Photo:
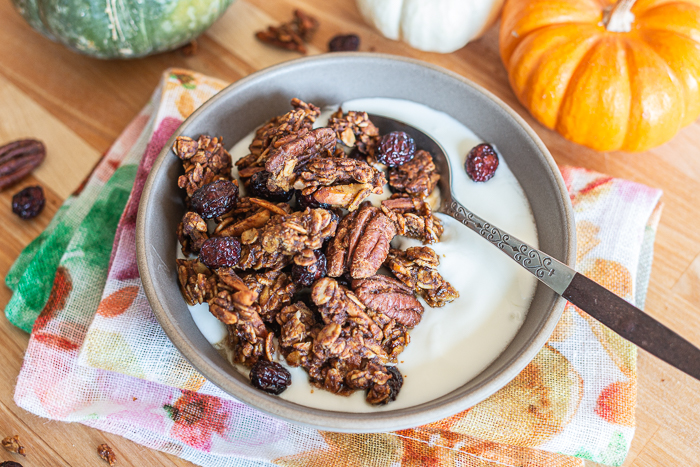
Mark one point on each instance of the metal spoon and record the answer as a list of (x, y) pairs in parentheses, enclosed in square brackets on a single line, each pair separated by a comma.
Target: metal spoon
[(614, 312)]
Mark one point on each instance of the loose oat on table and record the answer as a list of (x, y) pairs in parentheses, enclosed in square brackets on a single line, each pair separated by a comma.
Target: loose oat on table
[(417, 269), (107, 454), (12, 444), (361, 244), (413, 218)]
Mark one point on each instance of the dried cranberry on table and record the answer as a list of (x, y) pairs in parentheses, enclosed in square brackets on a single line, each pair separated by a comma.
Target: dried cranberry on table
[(270, 377), (10, 464), (260, 188), (344, 43), (308, 267), (220, 252), (481, 163), (215, 199), (396, 148), (29, 202)]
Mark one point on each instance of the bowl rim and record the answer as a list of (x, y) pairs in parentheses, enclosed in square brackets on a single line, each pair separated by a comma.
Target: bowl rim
[(350, 422)]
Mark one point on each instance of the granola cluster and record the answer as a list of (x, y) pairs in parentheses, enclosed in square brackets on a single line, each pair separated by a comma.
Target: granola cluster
[(301, 281)]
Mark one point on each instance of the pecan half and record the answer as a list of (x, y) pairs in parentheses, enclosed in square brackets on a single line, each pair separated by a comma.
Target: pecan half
[(413, 218), (302, 117), (417, 268), (18, 159), (294, 151), (390, 297), (417, 177), (12, 444), (361, 244), (290, 35)]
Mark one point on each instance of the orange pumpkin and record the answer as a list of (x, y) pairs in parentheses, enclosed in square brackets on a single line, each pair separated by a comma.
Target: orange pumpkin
[(609, 76)]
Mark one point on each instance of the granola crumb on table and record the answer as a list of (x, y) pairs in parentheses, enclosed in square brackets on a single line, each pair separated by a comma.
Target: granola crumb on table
[(301, 277)]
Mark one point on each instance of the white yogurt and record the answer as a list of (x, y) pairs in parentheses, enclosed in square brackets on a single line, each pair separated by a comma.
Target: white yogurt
[(453, 344)]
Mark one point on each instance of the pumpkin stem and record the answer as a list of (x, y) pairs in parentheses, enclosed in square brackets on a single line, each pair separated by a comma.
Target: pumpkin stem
[(619, 17)]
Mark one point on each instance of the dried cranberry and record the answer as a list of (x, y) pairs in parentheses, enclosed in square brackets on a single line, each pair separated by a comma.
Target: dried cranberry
[(10, 464), (308, 201), (344, 43), (356, 154), (307, 275), (29, 202), (220, 252), (215, 199), (395, 383), (481, 163), (270, 377), (260, 189), (396, 148)]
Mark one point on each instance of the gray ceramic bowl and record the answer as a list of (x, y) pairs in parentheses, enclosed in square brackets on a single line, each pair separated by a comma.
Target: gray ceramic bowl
[(331, 79)]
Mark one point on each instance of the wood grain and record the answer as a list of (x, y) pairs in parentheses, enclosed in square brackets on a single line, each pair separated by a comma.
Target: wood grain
[(79, 105)]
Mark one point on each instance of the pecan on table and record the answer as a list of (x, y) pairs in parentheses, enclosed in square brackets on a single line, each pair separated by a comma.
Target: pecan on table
[(293, 233), (18, 159), (107, 454), (205, 161), (417, 268), (292, 152), (355, 129), (413, 218), (361, 244), (302, 117), (192, 233), (248, 213), (274, 290), (12, 444), (417, 177), (390, 297), (290, 35), (340, 182)]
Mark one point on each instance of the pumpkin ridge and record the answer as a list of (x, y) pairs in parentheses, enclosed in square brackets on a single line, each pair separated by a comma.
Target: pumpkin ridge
[(583, 62), (627, 145), (588, 42)]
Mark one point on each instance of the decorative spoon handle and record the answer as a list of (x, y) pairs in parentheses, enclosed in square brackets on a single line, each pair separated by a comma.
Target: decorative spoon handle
[(614, 312)]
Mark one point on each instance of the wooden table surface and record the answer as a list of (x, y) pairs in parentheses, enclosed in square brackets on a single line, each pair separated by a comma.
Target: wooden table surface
[(78, 106)]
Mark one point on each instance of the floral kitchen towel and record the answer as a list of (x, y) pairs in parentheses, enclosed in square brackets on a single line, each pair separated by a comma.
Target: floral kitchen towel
[(97, 355)]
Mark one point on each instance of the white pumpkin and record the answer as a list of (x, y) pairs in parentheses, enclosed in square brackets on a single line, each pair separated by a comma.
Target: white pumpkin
[(431, 25)]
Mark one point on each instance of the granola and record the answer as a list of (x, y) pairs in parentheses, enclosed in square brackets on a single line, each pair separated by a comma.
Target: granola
[(205, 161), (417, 268), (417, 177), (290, 35), (413, 218), (349, 331)]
